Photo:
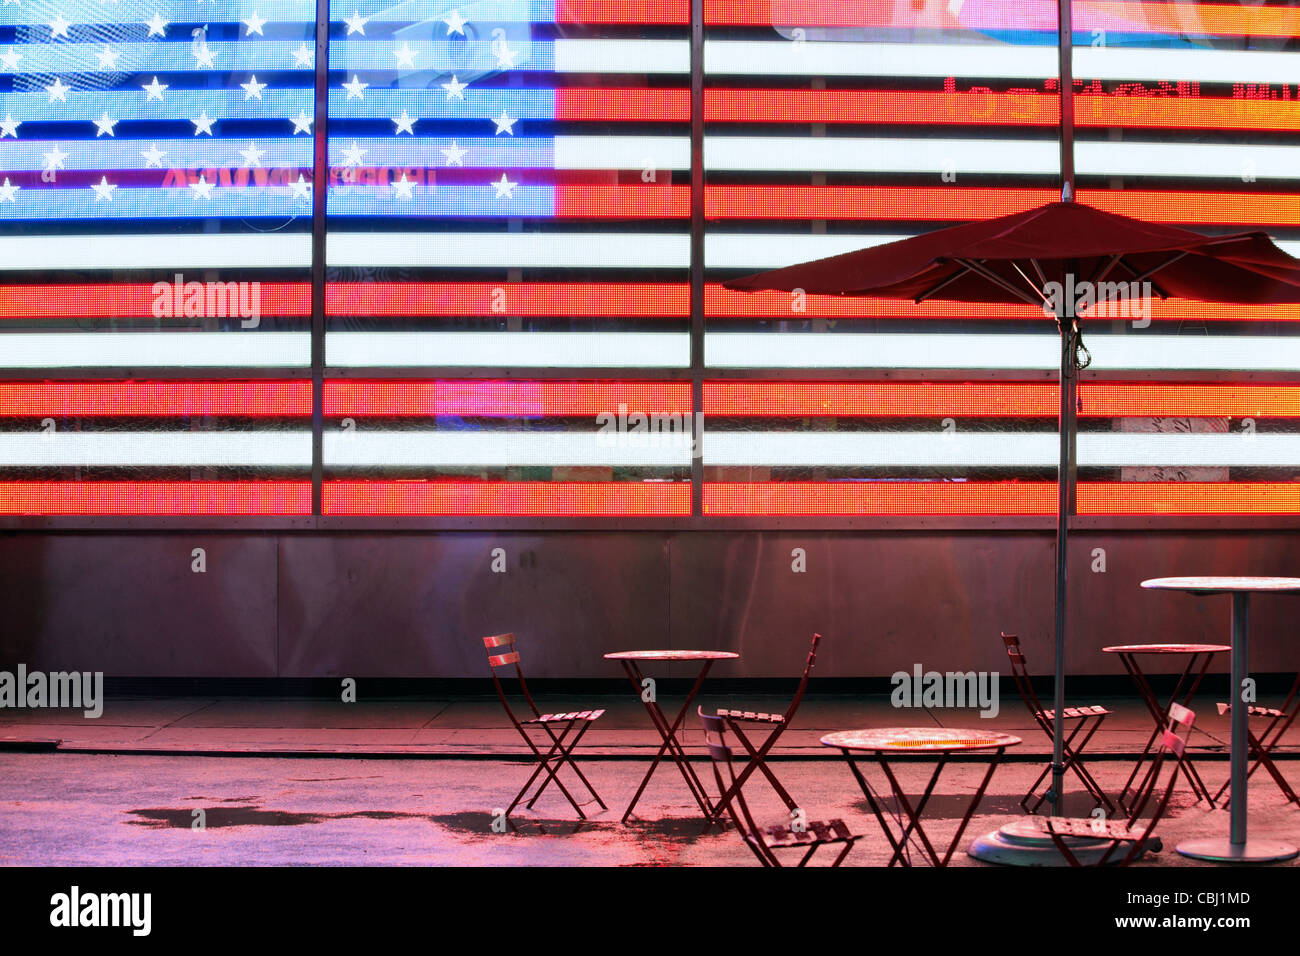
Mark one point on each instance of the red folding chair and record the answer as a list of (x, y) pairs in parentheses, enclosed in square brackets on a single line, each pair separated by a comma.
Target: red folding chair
[(561, 744), (1132, 831), (1085, 721), (1280, 720), (778, 723), (765, 841)]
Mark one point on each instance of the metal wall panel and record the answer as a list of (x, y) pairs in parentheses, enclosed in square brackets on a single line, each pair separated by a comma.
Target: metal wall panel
[(414, 605), (131, 606)]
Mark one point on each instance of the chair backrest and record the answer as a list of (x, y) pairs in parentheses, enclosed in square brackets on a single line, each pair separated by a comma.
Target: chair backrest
[(803, 681), (724, 774), (1020, 674), (1172, 741), (501, 652)]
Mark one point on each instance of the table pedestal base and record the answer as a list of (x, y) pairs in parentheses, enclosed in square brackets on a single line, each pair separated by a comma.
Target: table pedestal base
[(1223, 850), (1022, 844)]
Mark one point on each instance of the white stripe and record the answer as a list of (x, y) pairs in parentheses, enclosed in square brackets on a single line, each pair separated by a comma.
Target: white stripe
[(509, 349), (766, 250), (968, 156), (1199, 160), (821, 58), (179, 349), (424, 449), (622, 152), (1207, 66), (1136, 351), (1000, 449), (162, 251), (727, 250), (994, 60), (267, 449), (622, 56), (499, 250)]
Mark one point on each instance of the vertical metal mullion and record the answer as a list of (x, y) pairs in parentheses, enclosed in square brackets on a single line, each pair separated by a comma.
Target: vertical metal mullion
[(697, 254), (1065, 63), (319, 194)]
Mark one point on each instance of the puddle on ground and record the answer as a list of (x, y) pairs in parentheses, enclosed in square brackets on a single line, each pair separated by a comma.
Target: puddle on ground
[(165, 817), (479, 823)]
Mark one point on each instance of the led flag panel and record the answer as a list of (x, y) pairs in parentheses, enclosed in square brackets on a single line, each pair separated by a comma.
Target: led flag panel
[(834, 126), (508, 192), (155, 219)]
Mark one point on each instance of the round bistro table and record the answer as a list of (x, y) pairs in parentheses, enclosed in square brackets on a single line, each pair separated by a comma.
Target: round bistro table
[(631, 661), (1236, 848), (881, 743)]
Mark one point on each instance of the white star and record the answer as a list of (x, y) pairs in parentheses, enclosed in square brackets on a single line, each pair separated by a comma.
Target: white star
[(405, 124), (153, 156), (405, 56), (8, 192), (157, 26), (300, 188), (11, 59), (9, 126), (302, 124), (302, 56), (203, 188), (355, 87), (203, 124), (203, 54), (54, 159), (401, 187), (103, 189), (254, 24), (58, 90), (505, 56), (154, 90), (504, 124), (455, 88), (356, 24), (454, 154), (455, 23), (505, 188), (59, 27), (104, 125), (252, 155), (253, 89), (353, 155), (108, 58)]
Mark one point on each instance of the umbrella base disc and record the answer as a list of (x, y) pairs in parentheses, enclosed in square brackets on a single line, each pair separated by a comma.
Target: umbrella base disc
[(1022, 844), (1221, 850)]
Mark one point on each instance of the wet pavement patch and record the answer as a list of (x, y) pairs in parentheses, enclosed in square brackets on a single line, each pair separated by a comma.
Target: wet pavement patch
[(164, 817)]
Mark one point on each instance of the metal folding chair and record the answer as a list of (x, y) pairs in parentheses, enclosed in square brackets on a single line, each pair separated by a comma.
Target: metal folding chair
[(1280, 720), (778, 723), (1132, 831), (765, 841), (1085, 721), (561, 744)]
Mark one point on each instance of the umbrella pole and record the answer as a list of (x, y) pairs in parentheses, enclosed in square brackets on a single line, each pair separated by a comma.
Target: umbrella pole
[(1064, 505)]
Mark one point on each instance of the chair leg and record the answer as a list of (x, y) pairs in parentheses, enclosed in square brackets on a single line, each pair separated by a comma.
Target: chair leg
[(566, 756)]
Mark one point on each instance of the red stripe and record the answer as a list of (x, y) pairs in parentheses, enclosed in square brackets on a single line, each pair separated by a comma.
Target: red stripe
[(623, 11), (103, 301), (523, 499), (503, 398), (836, 499), (260, 399), (945, 204), (721, 304), (1175, 18), (624, 104), (586, 201), (1137, 107), (155, 498), (996, 399), (566, 299)]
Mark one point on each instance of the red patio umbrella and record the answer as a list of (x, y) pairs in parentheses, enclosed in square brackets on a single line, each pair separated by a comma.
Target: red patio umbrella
[(1019, 258)]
